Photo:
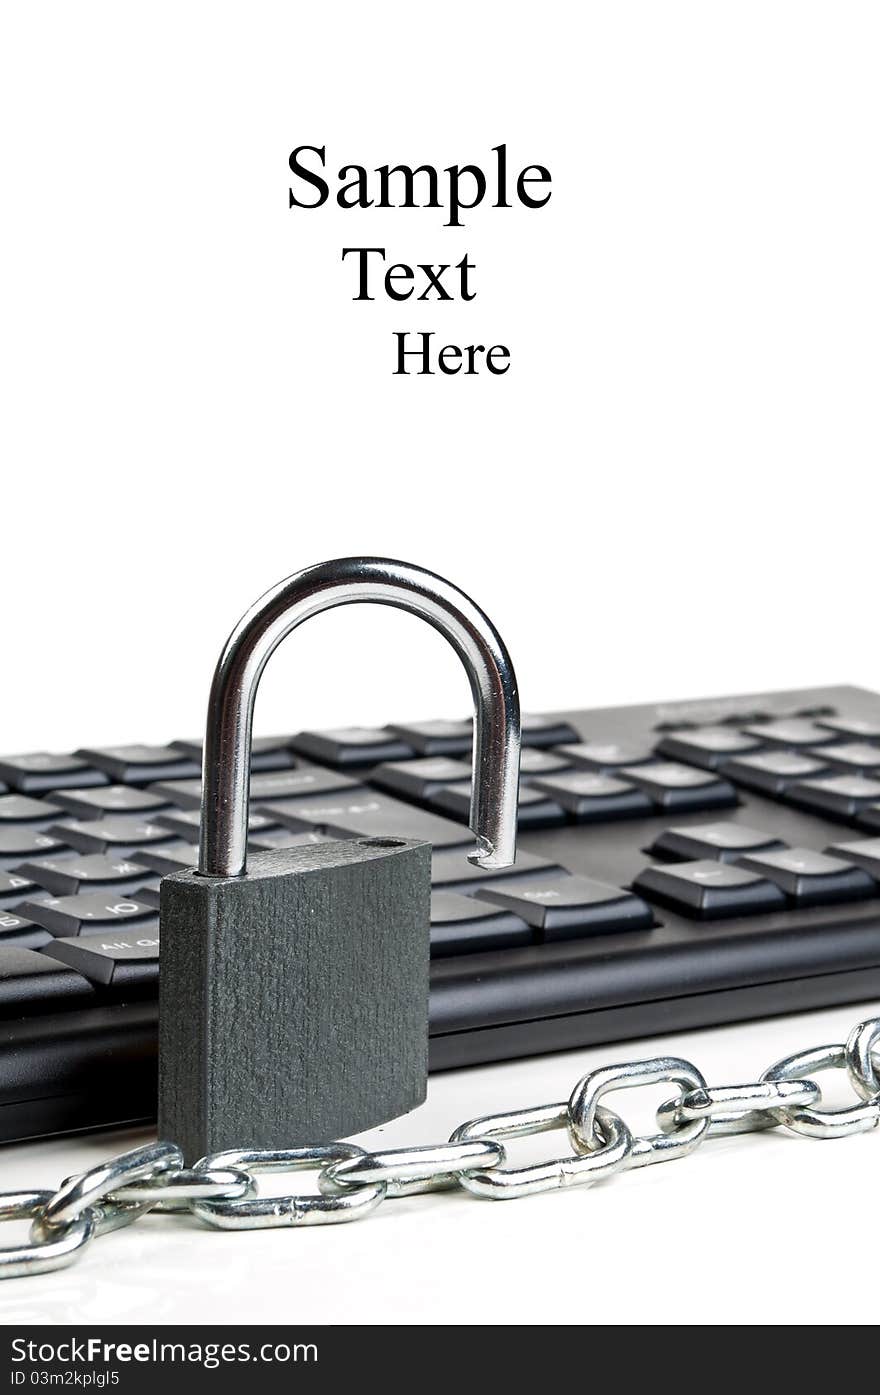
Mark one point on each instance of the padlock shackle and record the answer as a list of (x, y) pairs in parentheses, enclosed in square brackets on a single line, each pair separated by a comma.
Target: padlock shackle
[(226, 762)]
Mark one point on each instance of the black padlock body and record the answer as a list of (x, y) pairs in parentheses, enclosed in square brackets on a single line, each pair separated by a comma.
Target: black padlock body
[(293, 1001)]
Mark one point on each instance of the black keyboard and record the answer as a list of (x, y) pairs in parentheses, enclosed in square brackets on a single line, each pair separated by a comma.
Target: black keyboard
[(678, 866)]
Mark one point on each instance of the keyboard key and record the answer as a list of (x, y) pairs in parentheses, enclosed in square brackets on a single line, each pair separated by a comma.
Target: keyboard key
[(572, 907), (841, 795), (90, 872), (126, 961), (788, 731), (367, 815), (708, 746), (15, 930), (14, 888), (304, 782), (184, 794), (351, 746), (462, 924), (726, 841), (451, 871), (182, 854), (139, 765), (120, 835), (863, 852), (39, 771), (455, 738), (30, 982), (593, 797), (90, 911), (538, 731), (606, 755), (869, 817), (540, 762), (742, 719), (267, 753), (681, 787), (22, 808), (852, 757), (108, 799), (176, 856), (812, 878), (420, 778), (21, 840), (862, 728), (772, 772), (185, 823), (710, 890), (535, 808), (436, 738)]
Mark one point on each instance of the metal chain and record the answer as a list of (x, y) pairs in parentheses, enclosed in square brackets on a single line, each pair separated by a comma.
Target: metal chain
[(220, 1189)]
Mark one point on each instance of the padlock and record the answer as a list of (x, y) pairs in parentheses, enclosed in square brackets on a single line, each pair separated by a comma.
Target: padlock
[(294, 985)]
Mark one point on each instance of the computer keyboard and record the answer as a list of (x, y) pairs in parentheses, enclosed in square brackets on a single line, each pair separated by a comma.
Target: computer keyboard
[(678, 866)]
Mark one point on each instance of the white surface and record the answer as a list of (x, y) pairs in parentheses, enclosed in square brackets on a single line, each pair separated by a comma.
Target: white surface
[(768, 1228), (672, 493)]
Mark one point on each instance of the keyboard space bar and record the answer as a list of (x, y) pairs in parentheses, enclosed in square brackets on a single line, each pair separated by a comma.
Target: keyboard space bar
[(367, 815)]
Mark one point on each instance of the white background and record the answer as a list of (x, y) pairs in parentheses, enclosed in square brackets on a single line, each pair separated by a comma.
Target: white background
[(672, 492)]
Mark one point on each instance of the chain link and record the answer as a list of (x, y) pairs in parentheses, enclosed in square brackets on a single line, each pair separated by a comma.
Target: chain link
[(811, 1120), (221, 1189), (410, 1171), (737, 1108), (682, 1137), (863, 1058)]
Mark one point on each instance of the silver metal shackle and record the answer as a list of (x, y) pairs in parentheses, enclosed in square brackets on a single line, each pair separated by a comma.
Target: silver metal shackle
[(226, 757)]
